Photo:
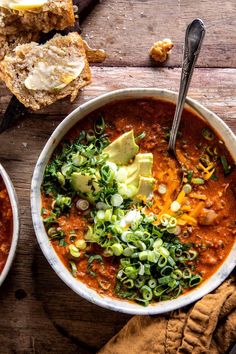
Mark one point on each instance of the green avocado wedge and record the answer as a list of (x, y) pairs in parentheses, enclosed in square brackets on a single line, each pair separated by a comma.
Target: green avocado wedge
[(123, 149), (84, 183)]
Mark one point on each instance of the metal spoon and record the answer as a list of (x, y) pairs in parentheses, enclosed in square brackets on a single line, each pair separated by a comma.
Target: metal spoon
[(193, 40)]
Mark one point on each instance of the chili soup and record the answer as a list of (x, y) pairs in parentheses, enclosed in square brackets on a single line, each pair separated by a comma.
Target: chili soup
[(6, 224), (117, 214)]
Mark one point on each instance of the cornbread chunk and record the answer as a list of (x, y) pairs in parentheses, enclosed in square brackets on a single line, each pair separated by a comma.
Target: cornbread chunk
[(160, 50), (36, 15), (39, 75)]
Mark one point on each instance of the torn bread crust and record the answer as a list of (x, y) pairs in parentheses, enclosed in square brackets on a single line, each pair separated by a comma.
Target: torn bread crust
[(21, 63), (57, 15), (94, 55), (9, 42)]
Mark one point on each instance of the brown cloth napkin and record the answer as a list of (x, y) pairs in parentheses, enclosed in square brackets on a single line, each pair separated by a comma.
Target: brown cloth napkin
[(208, 327)]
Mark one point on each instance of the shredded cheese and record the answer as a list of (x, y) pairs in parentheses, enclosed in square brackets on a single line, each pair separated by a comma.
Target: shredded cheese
[(188, 219), (198, 196), (197, 210), (180, 197)]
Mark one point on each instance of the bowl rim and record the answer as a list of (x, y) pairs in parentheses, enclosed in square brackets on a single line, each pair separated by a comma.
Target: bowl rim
[(77, 286), (16, 222)]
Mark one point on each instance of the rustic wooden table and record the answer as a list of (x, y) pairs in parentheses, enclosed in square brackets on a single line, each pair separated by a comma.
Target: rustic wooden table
[(38, 313)]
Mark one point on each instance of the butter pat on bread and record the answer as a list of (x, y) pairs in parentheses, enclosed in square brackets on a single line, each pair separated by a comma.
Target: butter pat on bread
[(39, 75), (41, 15)]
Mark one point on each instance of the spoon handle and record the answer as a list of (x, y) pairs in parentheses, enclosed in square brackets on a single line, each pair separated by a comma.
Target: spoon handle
[(193, 40)]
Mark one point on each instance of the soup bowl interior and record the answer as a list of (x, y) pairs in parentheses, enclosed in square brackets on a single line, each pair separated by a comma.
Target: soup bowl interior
[(16, 224), (80, 288)]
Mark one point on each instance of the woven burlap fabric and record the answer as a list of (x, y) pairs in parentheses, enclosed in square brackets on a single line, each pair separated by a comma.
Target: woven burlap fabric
[(208, 327)]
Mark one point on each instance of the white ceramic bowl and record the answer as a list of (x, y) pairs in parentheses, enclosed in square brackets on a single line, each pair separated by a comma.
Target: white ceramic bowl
[(80, 288), (16, 223)]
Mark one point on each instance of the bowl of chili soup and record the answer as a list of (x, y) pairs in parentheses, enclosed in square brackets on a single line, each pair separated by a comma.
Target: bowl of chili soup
[(9, 223), (124, 272)]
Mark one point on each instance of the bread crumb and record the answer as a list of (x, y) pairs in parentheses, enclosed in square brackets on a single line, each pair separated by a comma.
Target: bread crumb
[(161, 49)]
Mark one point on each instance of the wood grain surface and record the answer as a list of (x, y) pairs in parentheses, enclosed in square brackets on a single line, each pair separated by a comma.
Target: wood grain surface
[(127, 30), (39, 313)]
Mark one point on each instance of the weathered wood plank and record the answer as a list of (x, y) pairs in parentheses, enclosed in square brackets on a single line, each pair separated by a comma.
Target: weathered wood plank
[(127, 29), (47, 317)]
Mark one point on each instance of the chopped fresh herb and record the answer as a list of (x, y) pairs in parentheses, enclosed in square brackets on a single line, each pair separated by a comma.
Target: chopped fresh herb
[(62, 242), (189, 175), (226, 166), (214, 177), (208, 134), (198, 180), (43, 211), (140, 137)]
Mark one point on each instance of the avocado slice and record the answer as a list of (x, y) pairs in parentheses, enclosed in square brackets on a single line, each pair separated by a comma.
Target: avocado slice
[(145, 189), (123, 149), (84, 183), (142, 166)]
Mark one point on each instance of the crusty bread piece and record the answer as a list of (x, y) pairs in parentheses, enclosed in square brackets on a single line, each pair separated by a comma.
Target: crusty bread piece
[(9, 42), (54, 14), (58, 57)]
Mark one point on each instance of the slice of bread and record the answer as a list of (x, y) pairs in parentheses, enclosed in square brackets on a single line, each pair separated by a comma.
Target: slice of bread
[(39, 75), (51, 14)]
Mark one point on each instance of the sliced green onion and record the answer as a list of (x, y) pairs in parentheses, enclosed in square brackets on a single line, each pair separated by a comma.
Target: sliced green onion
[(128, 251), (78, 160), (162, 189), (67, 169), (117, 249), (194, 280), (198, 180), (61, 178), (153, 256), (74, 251), (143, 255), (129, 283), (108, 252), (105, 285), (81, 244), (164, 252), (146, 293), (100, 216), (99, 125), (116, 200), (131, 272), (192, 254), (140, 136), (139, 283), (52, 231), (152, 283), (225, 165), (157, 244), (158, 291), (208, 134), (101, 206), (141, 245), (175, 206), (187, 273), (177, 274), (82, 204), (90, 135), (162, 261), (73, 268), (167, 270), (164, 219), (172, 222), (189, 175), (187, 188), (108, 215)]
